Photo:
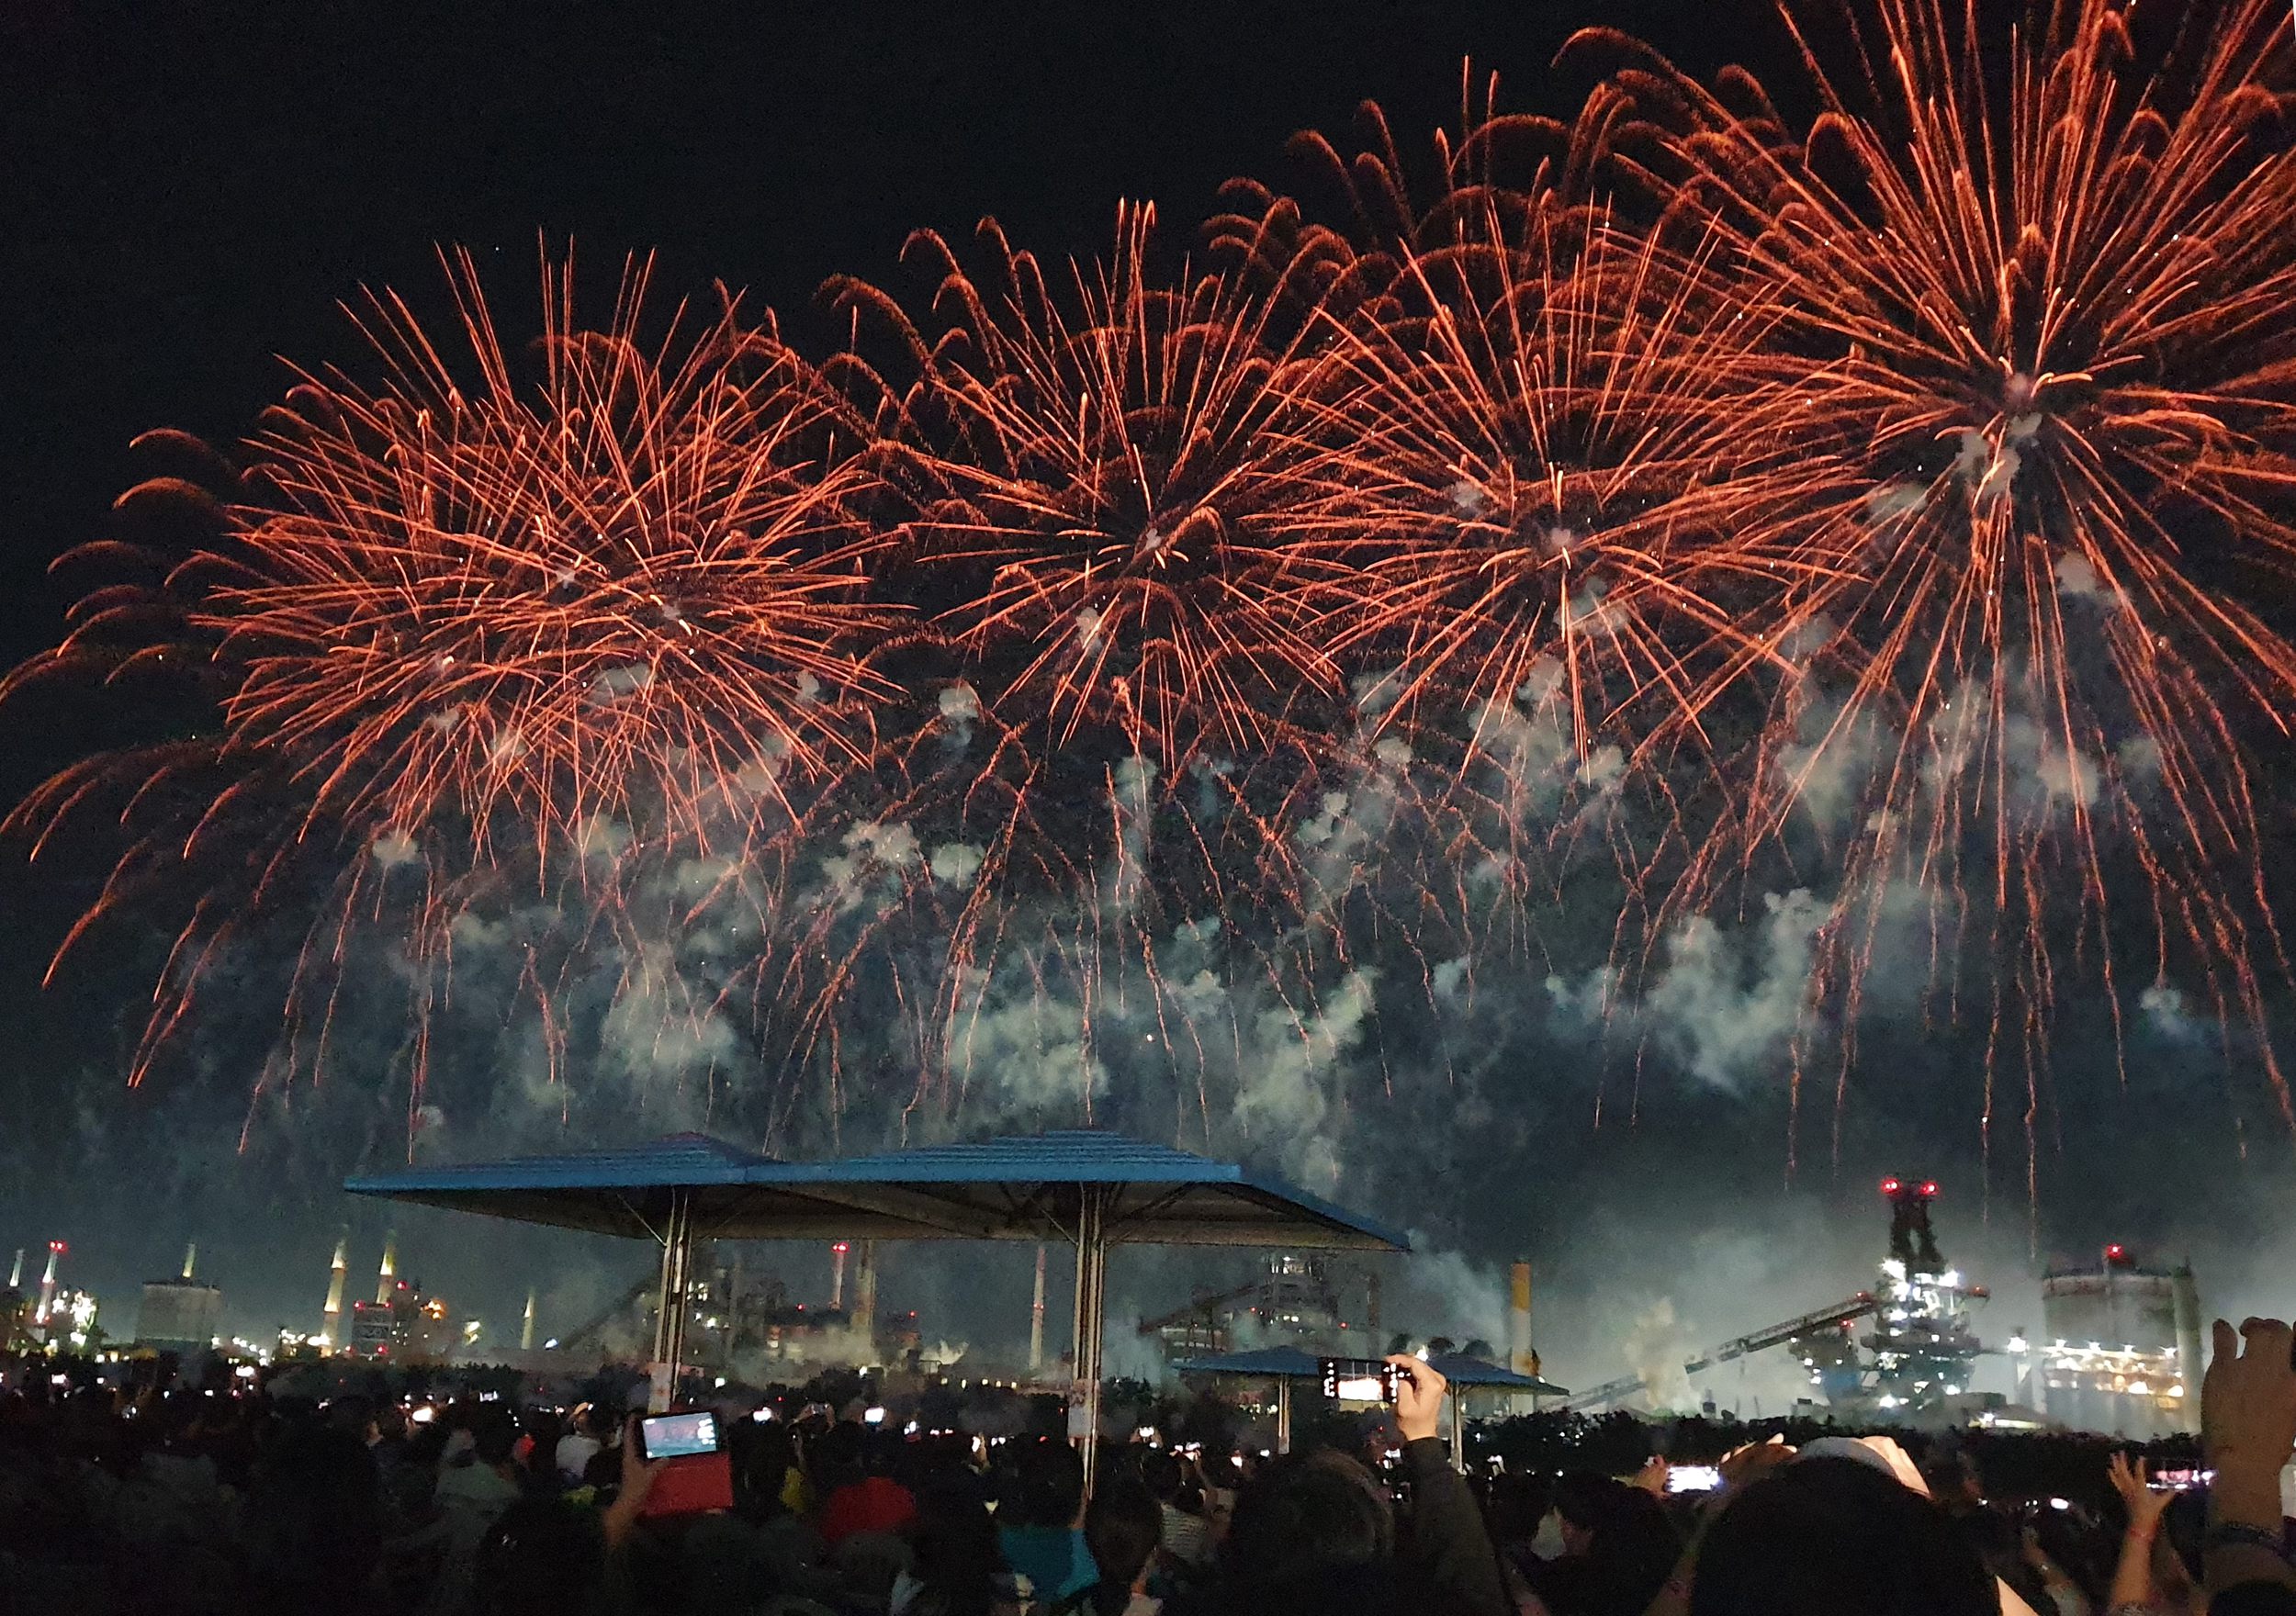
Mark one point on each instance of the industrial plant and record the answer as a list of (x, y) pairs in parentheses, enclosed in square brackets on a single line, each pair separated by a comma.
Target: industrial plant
[(2115, 1353), (2113, 1357)]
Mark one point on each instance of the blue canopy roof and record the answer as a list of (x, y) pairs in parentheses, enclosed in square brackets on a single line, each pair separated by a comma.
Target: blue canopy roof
[(1461, 1370), (623, 1192), (1022, 1189), (1274, 1362), (1016, 1188)]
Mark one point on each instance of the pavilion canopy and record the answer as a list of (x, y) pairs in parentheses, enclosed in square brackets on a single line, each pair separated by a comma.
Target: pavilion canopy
[(1022, 1188), (1095, 1189)]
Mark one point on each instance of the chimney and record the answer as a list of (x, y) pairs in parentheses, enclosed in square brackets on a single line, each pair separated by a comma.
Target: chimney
[(389, 1269), (1520, 1356), (1371, 1313), (48, 1283), (837, 1276), (330, 1321), (526, 1331), (1036, 1318), (865, 1292), (191, 1256)]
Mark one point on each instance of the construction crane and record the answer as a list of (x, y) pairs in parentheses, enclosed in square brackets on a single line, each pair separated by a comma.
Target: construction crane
[(1613, 1391)]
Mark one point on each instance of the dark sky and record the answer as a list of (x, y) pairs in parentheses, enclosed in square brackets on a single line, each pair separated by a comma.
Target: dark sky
[(187, 189)]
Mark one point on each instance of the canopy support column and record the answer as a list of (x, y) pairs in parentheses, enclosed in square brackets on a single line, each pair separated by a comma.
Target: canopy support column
[(1092, 1282), (669, 1316), (1458, 1429), (1283, 1414)]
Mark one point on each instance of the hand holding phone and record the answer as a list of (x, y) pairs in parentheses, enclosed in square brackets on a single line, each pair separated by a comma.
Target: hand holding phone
[(1418, 1389)]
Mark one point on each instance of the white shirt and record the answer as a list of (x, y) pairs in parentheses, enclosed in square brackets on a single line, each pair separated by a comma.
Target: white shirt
[(575, 1452)]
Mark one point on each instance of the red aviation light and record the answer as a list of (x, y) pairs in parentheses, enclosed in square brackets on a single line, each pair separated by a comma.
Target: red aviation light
[(1890, 1186)]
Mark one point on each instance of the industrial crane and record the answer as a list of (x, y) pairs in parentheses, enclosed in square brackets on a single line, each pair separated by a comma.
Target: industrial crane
[(1923, 1347), (1612, 1391)]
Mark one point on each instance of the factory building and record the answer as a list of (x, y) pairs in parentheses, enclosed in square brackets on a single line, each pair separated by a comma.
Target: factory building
[(2119, 1350), (406, 1327), (1292, 1300), (181, 1315)]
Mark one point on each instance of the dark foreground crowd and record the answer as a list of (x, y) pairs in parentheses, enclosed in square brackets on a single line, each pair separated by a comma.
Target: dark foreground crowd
[(189, 1504)]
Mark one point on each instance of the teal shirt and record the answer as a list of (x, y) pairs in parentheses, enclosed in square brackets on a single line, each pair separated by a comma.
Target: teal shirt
[(1052, 1558)]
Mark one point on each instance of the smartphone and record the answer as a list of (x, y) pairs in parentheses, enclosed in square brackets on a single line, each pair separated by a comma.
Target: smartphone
[(675, 1436), (1360, 1380), (1693, 1478)]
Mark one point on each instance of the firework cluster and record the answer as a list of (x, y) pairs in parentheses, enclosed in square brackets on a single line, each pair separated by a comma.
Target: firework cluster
[(1629, 517)]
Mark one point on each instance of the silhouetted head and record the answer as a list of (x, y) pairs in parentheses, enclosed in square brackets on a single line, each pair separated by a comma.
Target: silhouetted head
[(1835, 1537), (541, 1557), (1303, 1516), (1122, 1527)]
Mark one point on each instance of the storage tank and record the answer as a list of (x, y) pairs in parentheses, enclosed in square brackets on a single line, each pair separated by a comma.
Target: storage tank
[(2120, 1348)]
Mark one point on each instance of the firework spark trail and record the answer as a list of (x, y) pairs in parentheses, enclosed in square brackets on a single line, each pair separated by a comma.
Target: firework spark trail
[(2049, 370)]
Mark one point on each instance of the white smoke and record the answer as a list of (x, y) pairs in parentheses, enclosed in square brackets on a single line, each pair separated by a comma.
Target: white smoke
[(1731, 1019), (1284, 1093), (956, 863)]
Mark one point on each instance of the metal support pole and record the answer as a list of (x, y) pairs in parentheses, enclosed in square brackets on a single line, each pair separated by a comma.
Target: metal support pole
[(1036, 1319), (1092, 1279), (670, 1317), (1458, 1429), (1283, 1414)]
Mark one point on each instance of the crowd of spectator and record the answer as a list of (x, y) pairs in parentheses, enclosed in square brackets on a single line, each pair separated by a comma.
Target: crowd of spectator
[(198, 1502)]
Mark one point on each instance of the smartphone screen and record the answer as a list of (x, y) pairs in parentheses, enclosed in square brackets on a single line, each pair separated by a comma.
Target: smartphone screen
[(1693, 1478), (1359, 1380), (673, 1436)]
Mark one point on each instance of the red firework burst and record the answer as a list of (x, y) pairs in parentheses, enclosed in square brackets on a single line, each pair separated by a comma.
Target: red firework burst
[(1553, 466), (624, 591), (1107, 466), (2043, 307)]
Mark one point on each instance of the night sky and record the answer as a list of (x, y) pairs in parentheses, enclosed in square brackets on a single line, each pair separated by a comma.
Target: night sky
[(190, 189)]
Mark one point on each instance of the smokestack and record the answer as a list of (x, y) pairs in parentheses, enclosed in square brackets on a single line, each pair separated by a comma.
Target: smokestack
[(1521, 1357), (837, 1275), (191, 1256), (15, 1271), (2189, 1364), (865, 1292), (526, 1331), (48, 1283), (1036, 1318), (1371, 1312), (389, 1269), (330, 1321)]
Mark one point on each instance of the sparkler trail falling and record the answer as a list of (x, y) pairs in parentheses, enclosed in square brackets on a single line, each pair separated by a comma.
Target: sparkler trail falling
[(1892, 505)]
